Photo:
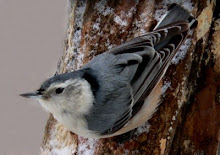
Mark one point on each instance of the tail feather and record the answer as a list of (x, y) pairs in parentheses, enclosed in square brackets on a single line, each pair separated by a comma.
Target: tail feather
[(176, 14), (176, 18)]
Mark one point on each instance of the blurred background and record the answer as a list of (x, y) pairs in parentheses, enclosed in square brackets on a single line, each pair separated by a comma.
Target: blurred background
[(31, 43)]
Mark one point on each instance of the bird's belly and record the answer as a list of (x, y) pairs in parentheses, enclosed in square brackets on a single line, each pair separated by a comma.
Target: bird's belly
[(77, 126)]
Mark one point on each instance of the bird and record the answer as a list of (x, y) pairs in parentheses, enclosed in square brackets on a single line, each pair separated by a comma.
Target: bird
[(118, 90)]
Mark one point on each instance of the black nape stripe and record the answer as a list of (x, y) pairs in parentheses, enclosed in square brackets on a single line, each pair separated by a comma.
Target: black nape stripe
[(92, 80)]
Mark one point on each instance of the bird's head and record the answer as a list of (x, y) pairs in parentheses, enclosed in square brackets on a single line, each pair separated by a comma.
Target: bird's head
[(67, 92)]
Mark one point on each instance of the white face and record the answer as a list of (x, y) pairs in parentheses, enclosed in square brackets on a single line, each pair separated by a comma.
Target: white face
[(69, 101), (73, 96)]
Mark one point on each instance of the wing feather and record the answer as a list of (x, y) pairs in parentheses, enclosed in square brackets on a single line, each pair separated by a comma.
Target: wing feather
[(134, 68), (145, 74)]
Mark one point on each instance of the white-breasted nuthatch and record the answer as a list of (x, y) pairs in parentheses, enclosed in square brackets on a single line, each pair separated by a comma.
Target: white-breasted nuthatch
[(116, 91)]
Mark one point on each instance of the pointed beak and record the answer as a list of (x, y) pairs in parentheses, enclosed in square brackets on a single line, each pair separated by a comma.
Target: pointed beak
[(32, 95)]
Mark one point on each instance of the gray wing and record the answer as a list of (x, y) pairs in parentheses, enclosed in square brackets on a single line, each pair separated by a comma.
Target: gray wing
[(156, 49), (153, 66), (128, 73)]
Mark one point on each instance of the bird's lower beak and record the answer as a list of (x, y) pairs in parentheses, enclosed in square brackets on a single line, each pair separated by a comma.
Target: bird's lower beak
[(31, 95)]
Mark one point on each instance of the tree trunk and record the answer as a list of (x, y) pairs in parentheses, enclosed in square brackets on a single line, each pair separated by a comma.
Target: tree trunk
[(188, 119)]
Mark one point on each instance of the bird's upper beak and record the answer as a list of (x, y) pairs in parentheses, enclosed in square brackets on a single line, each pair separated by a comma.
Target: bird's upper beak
[(32, 95)]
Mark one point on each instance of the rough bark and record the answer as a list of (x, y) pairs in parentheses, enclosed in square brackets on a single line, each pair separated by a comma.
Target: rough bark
[(187, 121)]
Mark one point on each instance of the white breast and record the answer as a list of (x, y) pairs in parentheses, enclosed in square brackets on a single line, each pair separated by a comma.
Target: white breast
[(75, 124)]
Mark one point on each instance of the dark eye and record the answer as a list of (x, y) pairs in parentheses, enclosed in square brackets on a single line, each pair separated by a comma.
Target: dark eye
[(59, 90)]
